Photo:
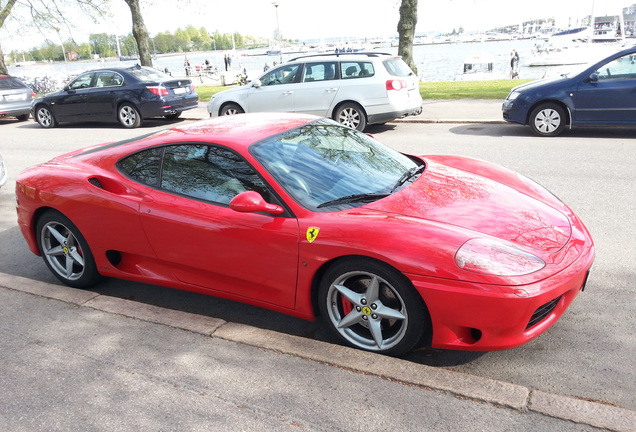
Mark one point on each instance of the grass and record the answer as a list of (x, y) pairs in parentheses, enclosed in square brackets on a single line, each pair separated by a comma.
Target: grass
[(497, 89)]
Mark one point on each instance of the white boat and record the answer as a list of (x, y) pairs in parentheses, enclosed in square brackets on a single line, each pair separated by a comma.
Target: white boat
[(480, 68)]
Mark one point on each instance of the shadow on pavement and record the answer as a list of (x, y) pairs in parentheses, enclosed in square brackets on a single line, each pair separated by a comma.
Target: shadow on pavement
[(19, 261)]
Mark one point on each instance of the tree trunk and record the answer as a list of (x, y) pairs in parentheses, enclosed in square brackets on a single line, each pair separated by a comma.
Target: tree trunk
[(4, 13), (140, 33), (406, 31)]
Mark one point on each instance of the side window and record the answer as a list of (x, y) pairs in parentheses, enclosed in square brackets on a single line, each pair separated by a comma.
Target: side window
[(350, 70), (143, 167), (319, 72), (281, 75), (618, 69), (209, 173), (108, 79), (82, 81)]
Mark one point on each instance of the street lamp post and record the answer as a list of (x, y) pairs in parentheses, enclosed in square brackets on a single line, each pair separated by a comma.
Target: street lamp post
[(280, 46)]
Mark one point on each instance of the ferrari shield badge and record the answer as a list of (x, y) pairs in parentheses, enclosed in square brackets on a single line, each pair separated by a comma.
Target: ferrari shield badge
[(312, 233)]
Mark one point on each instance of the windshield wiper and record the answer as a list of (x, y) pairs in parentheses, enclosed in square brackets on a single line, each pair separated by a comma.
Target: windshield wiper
[(407, 176), (354, 198)]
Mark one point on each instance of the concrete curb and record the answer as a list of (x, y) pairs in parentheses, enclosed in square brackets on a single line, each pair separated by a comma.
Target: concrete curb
[(462, 385)]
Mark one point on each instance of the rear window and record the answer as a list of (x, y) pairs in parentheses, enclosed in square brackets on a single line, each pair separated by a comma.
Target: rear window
[(147, 74), (397, 67), (10, 83)]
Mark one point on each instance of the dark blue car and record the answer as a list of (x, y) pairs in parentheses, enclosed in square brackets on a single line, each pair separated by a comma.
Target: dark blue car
[(127, 95), (602, 93)]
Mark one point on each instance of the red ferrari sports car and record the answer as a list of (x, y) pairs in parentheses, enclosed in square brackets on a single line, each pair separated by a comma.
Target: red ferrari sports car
[(304, 216)]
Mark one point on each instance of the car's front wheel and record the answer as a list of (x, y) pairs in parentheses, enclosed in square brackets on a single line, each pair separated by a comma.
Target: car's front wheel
[(547, 120), (231, 109), (351, 115), (372, 306), (45, 117), (65, 251), (128, 116)]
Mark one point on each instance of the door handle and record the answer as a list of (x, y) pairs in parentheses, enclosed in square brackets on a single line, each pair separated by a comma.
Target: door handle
[(331, 90), (287, 93)]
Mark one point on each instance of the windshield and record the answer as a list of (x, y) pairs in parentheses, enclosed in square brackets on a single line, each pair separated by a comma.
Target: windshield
[(325, 166)]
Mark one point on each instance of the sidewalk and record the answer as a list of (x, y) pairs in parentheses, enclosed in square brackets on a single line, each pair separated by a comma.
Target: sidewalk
[(144, 358)]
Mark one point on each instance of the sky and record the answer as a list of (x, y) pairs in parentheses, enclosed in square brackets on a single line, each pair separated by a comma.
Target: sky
[(310, 19)]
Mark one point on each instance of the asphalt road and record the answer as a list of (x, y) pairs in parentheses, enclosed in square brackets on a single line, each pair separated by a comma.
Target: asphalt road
[(589, 354)]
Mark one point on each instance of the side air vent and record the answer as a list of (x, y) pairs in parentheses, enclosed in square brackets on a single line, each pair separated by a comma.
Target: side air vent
[(95, 182), (542, 312)]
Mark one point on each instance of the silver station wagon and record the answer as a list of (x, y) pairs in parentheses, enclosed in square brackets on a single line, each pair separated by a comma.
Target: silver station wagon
[(354, 89)]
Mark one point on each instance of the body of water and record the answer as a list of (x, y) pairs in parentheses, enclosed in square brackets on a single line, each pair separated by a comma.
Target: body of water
[(439, 62)]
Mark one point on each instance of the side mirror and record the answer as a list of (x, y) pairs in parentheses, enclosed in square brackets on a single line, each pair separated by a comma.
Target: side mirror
[(256, 83), (253, 202), (593, 77), (66, 88)]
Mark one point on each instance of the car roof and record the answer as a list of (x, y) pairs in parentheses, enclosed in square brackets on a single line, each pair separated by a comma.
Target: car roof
[(238, 131), (344, 55)]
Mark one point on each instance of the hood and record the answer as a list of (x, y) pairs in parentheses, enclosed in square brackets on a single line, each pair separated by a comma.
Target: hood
[(539, 83), (451, 196)]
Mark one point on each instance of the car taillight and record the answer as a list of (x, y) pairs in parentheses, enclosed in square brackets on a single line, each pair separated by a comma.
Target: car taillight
[(395, 84), (158, 90), (191, 87), (32, 95)]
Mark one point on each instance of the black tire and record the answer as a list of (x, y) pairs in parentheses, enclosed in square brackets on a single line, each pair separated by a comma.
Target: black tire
[(231, 109), (129, 116), (45, 117), (351, 115), (23, 117), (371, 306), (547, 120), (65, 251), (173, 116)]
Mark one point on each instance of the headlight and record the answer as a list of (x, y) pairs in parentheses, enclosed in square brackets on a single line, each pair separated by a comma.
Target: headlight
[(513, 95), (491, 257)]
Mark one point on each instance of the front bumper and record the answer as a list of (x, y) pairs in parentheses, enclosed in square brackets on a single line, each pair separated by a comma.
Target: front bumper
[(474, 317)]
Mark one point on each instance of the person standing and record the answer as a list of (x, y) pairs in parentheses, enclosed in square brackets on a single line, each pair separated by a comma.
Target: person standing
[(514, 64), (225, 60)]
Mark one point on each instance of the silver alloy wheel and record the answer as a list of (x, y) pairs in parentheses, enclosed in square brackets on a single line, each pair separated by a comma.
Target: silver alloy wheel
[(44, 117), (367, 311), (127, 116), (547, 121), (62, 251), (349, 117)]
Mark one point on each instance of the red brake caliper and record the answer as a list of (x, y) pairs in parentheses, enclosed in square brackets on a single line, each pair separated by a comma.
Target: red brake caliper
[(346, 305)]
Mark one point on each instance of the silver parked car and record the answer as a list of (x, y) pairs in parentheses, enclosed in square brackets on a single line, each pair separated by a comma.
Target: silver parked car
[(354, 89), (15, 98)]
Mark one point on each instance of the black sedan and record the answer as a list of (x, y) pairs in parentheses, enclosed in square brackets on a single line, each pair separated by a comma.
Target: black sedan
[(127, 95)]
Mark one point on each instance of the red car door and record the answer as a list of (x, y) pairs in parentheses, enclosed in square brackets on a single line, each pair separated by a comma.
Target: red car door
[(190, 226)]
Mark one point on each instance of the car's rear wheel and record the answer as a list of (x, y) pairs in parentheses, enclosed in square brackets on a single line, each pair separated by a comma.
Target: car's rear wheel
[(128, 116), (372, 306), (547, 120), (45, 117), (231, 109), (351, 115), (173, 116), (65, 251)]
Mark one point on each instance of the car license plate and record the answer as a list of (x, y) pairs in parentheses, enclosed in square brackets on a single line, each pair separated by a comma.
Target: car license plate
[(179, 90), (15, 97)]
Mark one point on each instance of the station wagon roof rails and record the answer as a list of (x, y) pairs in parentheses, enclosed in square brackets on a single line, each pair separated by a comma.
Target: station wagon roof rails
[(368, 54)]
